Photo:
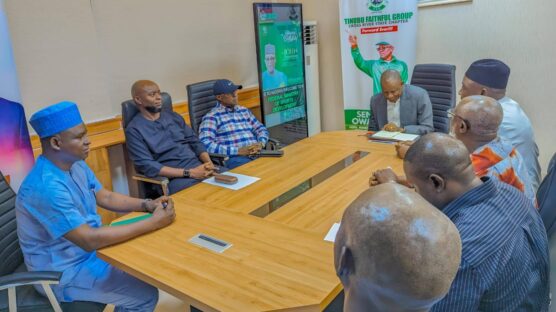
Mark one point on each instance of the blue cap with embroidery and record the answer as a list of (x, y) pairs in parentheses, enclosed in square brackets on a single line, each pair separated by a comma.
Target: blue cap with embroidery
[(224, 86), (55, 119)]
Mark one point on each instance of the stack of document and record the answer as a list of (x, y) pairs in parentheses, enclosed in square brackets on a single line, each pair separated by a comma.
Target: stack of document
[(393, 136)]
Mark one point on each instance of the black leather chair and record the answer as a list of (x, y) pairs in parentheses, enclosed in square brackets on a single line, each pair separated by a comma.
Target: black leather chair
[(16, 284), (201, 99), (546, 198), (144, 187), (439, 81)]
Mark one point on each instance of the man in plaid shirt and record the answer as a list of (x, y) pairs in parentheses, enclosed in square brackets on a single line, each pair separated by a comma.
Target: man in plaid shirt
[(232, 129)]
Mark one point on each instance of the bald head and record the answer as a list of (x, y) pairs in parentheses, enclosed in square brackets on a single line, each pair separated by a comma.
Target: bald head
[(147, 97), (141, 85), (395, 252), (476, 121), (440, 167), (391, 76), (392, 85), (483, 113)]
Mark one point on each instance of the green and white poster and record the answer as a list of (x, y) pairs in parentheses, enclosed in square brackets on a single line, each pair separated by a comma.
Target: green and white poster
[(278, 27), (376, 35)]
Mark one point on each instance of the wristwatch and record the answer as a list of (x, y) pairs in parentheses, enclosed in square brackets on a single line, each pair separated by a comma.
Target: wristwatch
[(186, 173)]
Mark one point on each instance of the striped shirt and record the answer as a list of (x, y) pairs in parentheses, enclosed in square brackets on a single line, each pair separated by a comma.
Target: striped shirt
[(225, 130), (500, 160), (505, 263)]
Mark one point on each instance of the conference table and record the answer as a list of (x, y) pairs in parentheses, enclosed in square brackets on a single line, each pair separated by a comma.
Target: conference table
[(276, 257)]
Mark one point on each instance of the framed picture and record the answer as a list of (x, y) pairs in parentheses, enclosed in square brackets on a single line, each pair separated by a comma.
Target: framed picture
[(427, 3)]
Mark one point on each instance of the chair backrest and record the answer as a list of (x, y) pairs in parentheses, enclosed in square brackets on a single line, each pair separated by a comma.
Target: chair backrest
[(439, 81), (200, 99), (546, 197), (10, 251), (129, 110)]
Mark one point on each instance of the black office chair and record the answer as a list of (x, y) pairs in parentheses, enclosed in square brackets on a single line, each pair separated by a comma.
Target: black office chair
[(201, 99), (16, 284), (145, 184), (546, 198), (439, 81)]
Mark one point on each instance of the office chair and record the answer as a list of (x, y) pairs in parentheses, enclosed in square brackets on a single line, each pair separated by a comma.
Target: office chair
[(439, 81), (145, 184), (546, 198), (201, 99), (16, 284)]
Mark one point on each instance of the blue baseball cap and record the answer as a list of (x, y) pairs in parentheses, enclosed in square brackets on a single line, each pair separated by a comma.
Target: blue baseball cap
[(225, 86), (55, 119)]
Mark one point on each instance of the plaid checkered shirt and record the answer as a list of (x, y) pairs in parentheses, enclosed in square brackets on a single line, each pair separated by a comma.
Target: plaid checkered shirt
[(225, 130)]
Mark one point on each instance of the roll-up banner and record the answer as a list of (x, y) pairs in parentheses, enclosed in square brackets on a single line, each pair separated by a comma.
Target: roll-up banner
[(16, 154), (375, 36), (279, 41)]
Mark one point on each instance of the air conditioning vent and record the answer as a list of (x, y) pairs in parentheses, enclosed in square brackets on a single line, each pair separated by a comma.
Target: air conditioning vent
[(310, 32)]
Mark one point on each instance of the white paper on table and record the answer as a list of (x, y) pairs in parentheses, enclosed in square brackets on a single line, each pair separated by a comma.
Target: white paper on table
[(242, 181), (331, 235), (406, 137), (397, 136), (384, 135)]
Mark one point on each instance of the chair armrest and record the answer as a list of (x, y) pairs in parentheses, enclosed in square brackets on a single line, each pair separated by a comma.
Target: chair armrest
[(272, 144), (28, 278), (156, 180)]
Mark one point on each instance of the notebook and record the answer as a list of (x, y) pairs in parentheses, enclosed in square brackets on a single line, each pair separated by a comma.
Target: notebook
[(393, 136)]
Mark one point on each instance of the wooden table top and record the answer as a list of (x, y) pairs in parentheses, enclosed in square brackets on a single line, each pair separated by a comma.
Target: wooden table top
[(316, 210), (269, 267), (300, 163), (280, 262)]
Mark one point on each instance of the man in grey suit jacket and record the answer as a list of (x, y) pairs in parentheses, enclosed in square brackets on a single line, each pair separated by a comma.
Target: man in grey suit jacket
[(406, 107)]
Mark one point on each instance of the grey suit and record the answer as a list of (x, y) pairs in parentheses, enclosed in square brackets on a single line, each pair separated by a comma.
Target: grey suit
[(415, 111)]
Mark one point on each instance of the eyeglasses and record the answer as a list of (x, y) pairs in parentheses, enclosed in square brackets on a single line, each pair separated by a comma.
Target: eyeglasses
[(383, 47), (451, 115)]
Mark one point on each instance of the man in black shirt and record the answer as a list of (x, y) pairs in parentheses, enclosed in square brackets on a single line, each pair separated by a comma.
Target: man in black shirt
[(160, 143)]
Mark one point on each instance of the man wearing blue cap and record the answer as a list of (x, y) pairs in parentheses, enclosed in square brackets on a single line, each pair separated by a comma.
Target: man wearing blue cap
[(231, 129), (489, 77), (57, 223), (375, 68), (160, 143), (272, 78)]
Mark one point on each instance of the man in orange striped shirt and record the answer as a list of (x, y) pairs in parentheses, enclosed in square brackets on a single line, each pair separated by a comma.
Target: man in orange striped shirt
[(475, 122)]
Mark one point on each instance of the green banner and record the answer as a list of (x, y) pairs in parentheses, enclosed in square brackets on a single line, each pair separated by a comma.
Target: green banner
[(357, 119), (375, 36)]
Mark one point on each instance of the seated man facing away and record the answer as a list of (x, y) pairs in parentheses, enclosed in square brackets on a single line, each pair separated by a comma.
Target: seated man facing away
[(505, 263), (160, 143), (400, 107), (475, 121), (395, 252), (489, 77), (57, 223), (230, 128)]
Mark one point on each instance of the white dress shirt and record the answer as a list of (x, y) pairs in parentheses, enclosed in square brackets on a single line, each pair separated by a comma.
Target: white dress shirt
[(393, 112), (516, 128)]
